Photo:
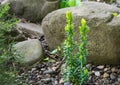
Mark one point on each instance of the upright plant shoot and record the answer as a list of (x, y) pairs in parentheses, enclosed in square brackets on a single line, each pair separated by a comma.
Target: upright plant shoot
[(75, 64)]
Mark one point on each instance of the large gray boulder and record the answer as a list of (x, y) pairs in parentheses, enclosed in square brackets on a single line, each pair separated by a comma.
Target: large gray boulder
[(26, 30), (104, 36), (33, 10), (30, 51)]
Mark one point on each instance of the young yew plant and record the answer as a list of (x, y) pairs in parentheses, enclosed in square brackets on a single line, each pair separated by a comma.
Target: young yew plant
[(75, 64)]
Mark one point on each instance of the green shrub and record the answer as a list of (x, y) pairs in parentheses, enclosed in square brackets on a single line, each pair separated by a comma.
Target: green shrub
[(69, 3), (75, 64), (7, 23)]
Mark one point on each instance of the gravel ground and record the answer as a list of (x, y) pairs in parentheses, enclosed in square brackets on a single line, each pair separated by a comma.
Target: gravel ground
[(46, 74), (49, 72)]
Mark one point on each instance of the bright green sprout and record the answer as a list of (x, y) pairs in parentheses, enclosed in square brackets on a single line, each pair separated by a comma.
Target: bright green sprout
[(75, 70)]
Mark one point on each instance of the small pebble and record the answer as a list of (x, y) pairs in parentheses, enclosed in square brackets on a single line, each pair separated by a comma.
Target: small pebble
[(118, 80), (61, 81), (56, 82), (33, 69), (100, 67), (42, 69), (48, 72), (92, 72), (88, 66), (54, 68), (39, 76), (105, 75), (67, 83), (97, 73), (106, 69), (114, 69), (47, 80), (113, 76), (30, 82)]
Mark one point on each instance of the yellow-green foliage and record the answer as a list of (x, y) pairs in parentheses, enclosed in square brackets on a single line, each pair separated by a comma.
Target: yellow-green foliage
[(75, 70)]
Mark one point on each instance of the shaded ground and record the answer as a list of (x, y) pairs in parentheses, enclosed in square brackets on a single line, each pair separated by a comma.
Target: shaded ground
[(44, 74), (49, 72)]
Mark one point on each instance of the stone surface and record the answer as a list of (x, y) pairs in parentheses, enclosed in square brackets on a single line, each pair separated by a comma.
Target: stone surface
[(46, 80), (104, 36), (119, 80), (113, 76), (67, 83), (114, 70), (61, 81), (97, 73), (30, 51), (118, 2), (33, 10), (106, 69), (100, 67), (30, 30), (48, 72), (105, 75)]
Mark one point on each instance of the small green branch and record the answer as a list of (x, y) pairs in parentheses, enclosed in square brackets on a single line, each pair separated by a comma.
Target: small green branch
[(75, 70)]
